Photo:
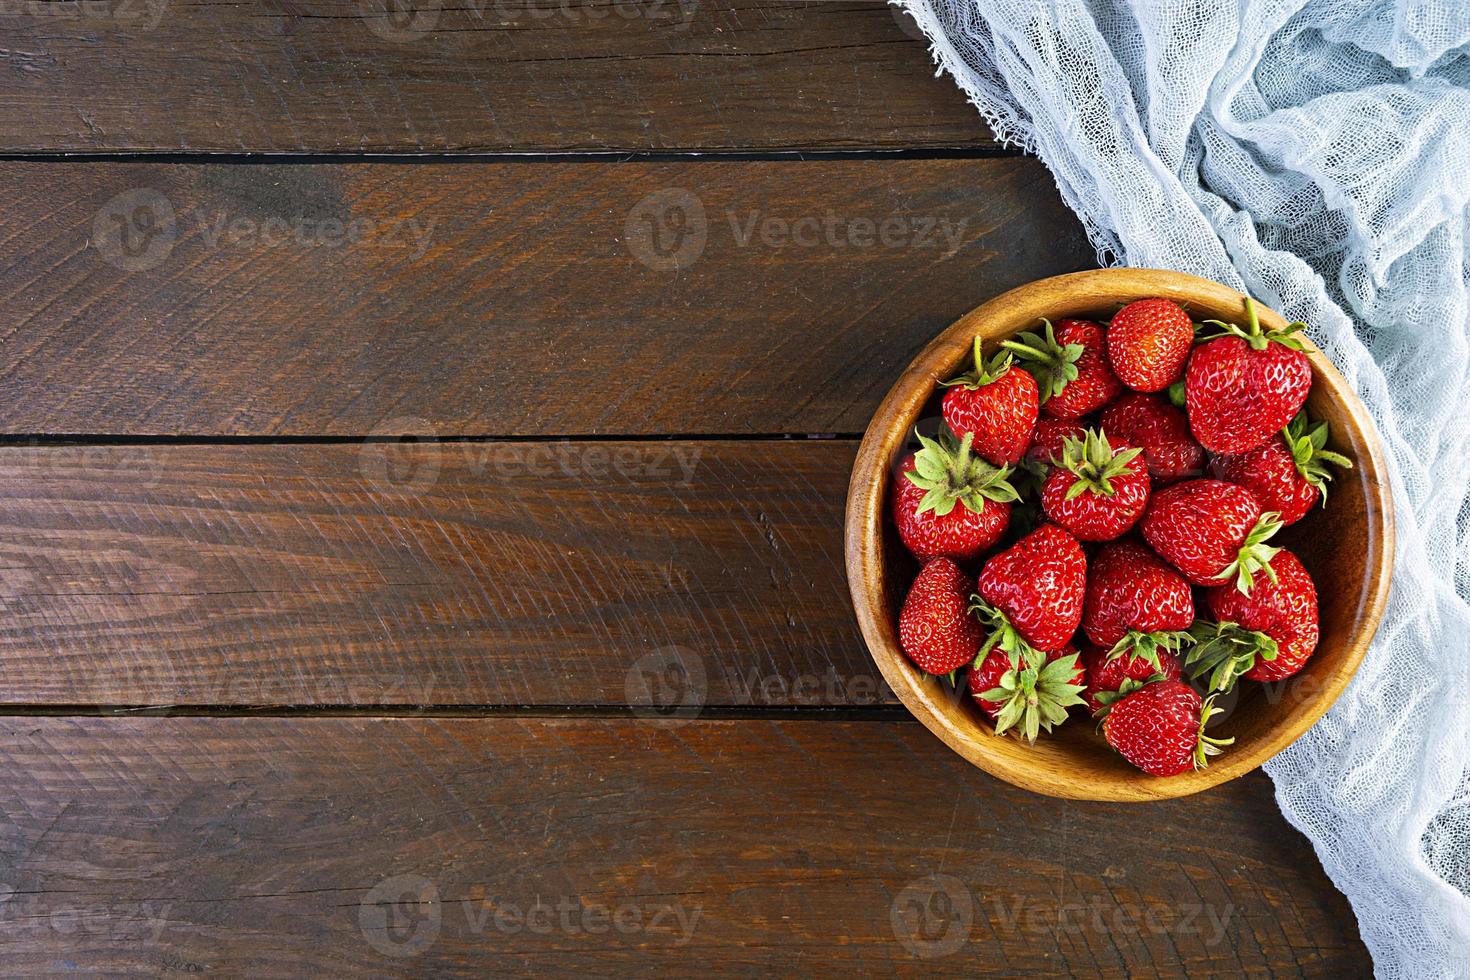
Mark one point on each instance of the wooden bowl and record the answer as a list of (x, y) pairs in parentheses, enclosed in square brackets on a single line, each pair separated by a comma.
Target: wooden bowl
[(1348, 548)]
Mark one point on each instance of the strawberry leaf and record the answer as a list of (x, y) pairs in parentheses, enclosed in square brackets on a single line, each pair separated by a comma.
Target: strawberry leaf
[(951, 473), (1224, 651), (1052, 364), (1307, 443)]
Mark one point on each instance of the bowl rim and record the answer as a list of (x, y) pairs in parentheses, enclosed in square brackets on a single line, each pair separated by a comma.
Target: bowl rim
[(865, 516)]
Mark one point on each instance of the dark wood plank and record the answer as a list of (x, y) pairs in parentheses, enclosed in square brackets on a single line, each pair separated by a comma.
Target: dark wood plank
[(664, 574), (279, 847), (340, 75), (499, 299)]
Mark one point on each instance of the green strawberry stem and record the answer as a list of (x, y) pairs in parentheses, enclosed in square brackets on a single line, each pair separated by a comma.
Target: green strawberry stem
[(1052, 364), (951, 473), (1308, 443), (1036, 699), (1003, 634), (1225, 651), (982, 374), (1204, 745), (1092, 460), (1146, 646), (1254, 555), (1253, 333)]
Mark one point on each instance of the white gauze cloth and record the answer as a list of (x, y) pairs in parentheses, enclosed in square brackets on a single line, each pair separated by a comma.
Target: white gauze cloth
[(1317, 156)]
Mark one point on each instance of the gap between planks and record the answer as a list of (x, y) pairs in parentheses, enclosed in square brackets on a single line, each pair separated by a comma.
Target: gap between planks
[(290, 158), (891, 713)]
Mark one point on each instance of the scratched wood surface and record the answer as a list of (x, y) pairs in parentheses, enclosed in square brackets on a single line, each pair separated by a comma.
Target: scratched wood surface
[(480, 75), (498, 299), (662, 574), (467, 847), (566, 681)]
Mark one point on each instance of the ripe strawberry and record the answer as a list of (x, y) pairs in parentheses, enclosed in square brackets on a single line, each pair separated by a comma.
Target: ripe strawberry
[(1070, 366), (1161, 430), (1050, 442), (947, 503), (1266, 636), (1045, 452), (1160, 728), (1244, 384), (1107, 672), (1148, 343), (1099, 490), (935, 628), (997, 404), (1031, 593), (1135, 602), (1289, 473), (1030, 699), (1211, 531)]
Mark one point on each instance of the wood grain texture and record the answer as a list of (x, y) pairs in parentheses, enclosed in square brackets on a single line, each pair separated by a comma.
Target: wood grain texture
[(498, 299), (1347, 547), (668, 575), (290, 847), (482, 75)]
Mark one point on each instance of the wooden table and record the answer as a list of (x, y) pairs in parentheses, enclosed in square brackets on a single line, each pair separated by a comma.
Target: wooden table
[(425, 441)]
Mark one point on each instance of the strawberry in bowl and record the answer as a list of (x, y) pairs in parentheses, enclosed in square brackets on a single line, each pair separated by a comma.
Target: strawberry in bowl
[(1144, 536)]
